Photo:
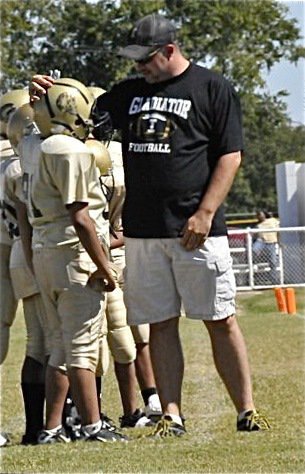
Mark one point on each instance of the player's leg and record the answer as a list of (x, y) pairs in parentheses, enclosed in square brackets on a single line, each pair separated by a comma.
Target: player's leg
[(8, 302), (123, 350), (145, 373)]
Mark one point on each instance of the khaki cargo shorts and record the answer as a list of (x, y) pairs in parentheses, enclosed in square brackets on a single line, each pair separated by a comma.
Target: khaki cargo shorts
[(161, 277)]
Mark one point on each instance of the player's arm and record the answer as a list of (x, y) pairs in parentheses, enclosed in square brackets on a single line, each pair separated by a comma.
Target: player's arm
[(86, 232), (116, 241), (26, 231), (198, 225)]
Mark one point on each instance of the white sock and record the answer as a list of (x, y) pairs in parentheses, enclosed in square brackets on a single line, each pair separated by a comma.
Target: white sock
[(93, 428), (54, 430), (242, 413), (176, 419)]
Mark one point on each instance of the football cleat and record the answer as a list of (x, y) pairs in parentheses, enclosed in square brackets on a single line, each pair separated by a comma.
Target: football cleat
[(4, 439), (50, 437), (103, 435), (166, 427), (138, 419), (253, 421)]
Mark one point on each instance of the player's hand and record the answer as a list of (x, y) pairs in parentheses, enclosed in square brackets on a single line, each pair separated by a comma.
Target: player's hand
[(196, 230), (39, 85), (102, 280)]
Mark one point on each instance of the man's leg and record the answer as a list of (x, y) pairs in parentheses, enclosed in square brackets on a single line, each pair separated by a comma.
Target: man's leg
[(168, 364), (231, 361)]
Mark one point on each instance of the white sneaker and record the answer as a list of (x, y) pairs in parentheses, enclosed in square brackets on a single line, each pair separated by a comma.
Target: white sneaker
[(153, 409), (3, 439)]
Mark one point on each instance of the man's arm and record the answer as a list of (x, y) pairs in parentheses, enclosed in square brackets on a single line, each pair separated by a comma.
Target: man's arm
[(198, 225), (86, 232), (39, 85)]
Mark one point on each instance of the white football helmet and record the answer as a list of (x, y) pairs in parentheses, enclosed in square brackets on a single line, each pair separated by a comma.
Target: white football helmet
[(20, 123), (9, 102), (65, 108)]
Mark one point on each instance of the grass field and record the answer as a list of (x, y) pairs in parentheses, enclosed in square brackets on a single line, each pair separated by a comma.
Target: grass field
[(276, 350)]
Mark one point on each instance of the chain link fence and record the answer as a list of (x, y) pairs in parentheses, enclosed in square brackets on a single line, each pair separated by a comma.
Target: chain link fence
[(258, 265)]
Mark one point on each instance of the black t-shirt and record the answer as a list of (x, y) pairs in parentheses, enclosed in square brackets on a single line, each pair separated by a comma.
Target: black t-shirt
[(173, 133)]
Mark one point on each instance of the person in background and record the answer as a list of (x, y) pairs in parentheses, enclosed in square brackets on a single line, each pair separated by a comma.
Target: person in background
[(265, 247)]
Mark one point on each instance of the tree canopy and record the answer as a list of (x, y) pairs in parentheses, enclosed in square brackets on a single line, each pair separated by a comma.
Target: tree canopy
[(239, 38)]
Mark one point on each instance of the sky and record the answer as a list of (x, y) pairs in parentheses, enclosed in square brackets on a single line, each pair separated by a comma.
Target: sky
[(289, 77)]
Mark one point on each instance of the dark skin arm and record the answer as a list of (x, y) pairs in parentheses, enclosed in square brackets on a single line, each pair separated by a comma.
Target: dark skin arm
[(118, 241), (86, 232)]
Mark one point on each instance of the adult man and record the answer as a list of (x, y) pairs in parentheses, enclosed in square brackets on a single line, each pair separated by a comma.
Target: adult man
[(181, 142)]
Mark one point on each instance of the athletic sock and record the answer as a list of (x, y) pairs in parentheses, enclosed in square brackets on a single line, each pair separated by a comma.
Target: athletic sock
[(242, 414), (98, 383), (176, 419), (53, 430), (33, 399), (93, 428), (147, 392)]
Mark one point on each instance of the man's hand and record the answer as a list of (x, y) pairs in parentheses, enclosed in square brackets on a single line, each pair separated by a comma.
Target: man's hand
[(107, 283), (196, 230), (39, 85)]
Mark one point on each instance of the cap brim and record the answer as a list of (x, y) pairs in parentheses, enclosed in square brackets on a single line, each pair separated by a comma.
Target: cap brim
[(136, 52)]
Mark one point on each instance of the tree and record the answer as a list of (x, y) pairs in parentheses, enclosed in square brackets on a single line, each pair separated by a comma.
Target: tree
[(238, 38)]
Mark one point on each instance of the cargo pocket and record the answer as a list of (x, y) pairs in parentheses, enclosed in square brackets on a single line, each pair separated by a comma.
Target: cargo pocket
[(225, 280)]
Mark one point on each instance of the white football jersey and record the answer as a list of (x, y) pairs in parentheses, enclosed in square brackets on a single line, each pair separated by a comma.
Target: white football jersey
[(6, 152), (59, 171)]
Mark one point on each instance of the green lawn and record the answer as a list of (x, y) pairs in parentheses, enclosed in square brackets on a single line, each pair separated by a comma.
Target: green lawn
[(276, 350)]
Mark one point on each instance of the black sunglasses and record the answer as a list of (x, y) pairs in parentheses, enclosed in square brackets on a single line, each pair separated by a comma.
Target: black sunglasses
[(149, 57)]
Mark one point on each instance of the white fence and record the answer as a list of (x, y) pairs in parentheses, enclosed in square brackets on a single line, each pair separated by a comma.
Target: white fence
[(269, 265)]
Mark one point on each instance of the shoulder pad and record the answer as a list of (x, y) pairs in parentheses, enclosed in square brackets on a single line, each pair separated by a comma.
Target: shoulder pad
[(62, 145), (115, 150), (6, 150)]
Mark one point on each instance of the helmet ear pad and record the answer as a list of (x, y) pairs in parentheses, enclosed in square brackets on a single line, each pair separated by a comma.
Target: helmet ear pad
[(9, 102), (20, 123), (65, 109)]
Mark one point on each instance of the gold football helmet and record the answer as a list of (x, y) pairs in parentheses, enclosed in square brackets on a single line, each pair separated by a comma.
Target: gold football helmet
[(101, 155), (65, 109), (9, 102), (20, 123), (96, 91)]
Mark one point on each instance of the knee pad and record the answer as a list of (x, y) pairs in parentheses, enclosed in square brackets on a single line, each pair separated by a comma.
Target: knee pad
[(122, 345), (103, 359), (141, 333), (115, 310)]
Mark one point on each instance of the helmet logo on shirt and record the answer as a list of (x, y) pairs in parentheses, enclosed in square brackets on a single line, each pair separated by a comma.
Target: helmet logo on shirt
[(152, 126)]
